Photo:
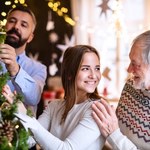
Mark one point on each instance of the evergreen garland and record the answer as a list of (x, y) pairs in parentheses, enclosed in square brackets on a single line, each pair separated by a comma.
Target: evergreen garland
[(13, 135)]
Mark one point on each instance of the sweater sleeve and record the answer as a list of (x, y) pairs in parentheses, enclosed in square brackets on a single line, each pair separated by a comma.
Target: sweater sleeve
[(118, 141), (82, 136)]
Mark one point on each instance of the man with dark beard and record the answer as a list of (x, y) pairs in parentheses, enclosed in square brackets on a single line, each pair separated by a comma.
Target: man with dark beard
[(27, 76)]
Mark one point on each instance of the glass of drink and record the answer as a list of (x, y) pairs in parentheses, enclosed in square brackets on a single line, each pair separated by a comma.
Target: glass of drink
[(2, 36)]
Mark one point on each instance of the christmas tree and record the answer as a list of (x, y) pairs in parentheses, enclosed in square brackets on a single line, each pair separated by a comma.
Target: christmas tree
[(13, 135)]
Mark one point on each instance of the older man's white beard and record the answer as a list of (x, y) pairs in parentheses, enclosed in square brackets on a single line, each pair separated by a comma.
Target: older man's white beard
[(139, 85)]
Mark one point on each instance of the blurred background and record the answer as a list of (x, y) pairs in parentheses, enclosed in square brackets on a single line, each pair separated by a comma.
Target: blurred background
[(108, 25)]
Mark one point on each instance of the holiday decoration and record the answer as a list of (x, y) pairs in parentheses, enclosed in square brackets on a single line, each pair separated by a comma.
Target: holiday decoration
[(68, 43), (34, 57), (53, 37), (104, 7), (53, 67), (106, 73), (50, 23), (107, 79), (56, 6), (6, 5), (13, 135)]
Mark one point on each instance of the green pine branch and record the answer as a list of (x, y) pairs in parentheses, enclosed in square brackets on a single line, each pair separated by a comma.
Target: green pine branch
[(9, 124)]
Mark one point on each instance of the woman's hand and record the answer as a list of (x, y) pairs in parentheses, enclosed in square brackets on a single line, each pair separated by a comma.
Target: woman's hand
[(8, 94), (10, 98), (105, 117)]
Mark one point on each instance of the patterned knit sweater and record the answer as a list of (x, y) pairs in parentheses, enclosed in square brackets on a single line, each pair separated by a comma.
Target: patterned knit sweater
[(133, 112)]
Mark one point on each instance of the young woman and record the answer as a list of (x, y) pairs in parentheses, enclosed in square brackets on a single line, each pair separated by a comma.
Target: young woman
[(68, 124)]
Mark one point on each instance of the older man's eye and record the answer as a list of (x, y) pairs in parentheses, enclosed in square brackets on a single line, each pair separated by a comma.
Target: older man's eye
[(135, 65)]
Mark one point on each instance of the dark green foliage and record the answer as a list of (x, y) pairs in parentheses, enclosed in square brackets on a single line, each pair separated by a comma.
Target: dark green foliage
[(13, 135)]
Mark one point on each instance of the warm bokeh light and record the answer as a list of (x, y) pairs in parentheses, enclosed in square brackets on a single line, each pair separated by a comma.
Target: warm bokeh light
[(16, 1), (3, 14), (8, 3), (22, 1), (61, 11)]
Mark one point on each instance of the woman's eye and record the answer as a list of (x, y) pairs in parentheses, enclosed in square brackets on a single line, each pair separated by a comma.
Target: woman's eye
[(84, 69), (98, 68)]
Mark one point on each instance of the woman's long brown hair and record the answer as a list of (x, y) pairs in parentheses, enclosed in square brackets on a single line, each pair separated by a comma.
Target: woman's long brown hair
[(71, 63)]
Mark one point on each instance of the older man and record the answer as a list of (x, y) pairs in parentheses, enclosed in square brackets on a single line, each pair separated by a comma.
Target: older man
[(130, 128)]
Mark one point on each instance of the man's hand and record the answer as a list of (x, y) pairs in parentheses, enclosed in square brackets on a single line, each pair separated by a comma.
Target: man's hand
[(105, 117), (8, 56)]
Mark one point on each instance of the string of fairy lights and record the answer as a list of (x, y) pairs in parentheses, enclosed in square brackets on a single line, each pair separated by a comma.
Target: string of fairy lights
[(9, 4), (61, 11), (55, 6)]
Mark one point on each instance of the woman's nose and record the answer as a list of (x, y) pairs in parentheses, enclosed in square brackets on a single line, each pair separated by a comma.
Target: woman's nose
[(92, 74)]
